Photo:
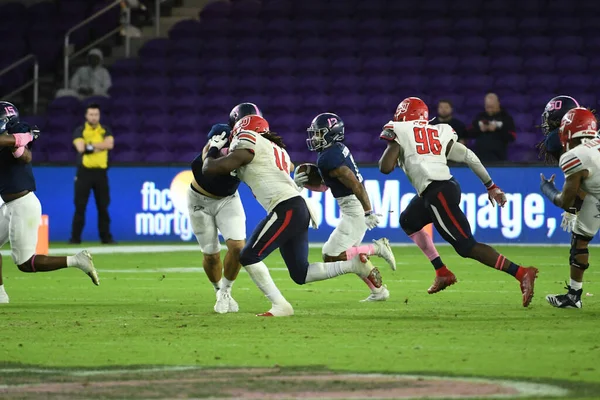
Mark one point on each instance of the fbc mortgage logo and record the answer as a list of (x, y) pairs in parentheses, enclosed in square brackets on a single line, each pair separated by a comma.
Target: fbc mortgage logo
[(164, 210)]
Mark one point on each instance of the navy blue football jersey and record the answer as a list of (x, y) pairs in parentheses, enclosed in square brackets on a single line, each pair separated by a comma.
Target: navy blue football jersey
[(16, 176), (334, 157), (219, 185)]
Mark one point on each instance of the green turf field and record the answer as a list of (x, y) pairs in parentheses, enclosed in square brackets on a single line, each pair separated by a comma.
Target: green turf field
[(156, 309)]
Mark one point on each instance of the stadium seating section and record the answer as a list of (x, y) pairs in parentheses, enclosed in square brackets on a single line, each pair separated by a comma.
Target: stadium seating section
[(40, 29), (296, 59)]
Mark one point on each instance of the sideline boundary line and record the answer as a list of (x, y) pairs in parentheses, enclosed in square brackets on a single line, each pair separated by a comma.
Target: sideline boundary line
[(175, 248)]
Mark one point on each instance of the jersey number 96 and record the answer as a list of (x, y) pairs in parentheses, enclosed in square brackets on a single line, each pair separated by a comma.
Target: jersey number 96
[(427, 141)]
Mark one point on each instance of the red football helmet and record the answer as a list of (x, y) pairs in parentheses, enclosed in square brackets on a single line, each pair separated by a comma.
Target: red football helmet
[(578, 123), (254, 123), (411, 109)]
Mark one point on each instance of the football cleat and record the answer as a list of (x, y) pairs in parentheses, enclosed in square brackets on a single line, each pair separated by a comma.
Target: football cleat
[(222, 304), (381, 294), (442, 282), (233, 305), (279, 310), (83, 261), (4, 298), (383, 250), (572, 299), (364, 269), (527, 283)]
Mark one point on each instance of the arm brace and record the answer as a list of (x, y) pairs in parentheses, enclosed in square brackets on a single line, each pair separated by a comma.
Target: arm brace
[(460, 153)]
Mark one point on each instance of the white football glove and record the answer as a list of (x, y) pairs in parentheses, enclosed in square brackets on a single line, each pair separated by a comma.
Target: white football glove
[(496, 195), (218, 141), (300, 178), (568, 221), (371, 219)]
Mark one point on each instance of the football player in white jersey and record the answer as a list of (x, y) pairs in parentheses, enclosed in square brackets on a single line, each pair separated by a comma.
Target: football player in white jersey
[(340, 174), (423, 151), (259, 158), (580, 162)]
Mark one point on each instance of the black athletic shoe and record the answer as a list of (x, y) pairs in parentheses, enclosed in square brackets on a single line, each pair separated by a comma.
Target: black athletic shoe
[(74, 241), (109, 241), (570, 300)]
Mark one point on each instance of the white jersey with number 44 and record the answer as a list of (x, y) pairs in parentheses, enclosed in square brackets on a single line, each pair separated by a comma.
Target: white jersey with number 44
[(268, 174), (423, 150), (586, 156)]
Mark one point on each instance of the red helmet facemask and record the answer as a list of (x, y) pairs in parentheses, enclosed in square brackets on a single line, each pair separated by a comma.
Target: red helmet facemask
[(411, 109), (578, 123)]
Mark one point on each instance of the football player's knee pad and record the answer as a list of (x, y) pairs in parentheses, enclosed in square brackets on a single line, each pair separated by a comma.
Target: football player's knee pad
[(575, 239), (463, 246)]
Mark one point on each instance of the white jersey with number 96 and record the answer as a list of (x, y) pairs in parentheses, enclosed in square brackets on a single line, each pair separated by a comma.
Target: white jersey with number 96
[(422, 150), (268, 174)]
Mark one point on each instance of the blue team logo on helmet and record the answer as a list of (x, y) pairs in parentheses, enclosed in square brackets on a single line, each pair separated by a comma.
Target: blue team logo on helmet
[(325, 129), (8, 113)]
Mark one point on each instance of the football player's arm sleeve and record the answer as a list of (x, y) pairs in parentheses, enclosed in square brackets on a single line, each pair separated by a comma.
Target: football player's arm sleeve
[(461, 154), (349, 179), (78, 141)]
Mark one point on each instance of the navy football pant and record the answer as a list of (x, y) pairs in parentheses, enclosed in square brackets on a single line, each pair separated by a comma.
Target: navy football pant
[(440, 204), (285, 228)]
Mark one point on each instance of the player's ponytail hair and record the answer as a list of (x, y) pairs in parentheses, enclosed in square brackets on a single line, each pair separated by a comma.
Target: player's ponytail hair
[(275, 138)]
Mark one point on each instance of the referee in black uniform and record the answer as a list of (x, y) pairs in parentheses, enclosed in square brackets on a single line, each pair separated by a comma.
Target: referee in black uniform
[(93, 142)]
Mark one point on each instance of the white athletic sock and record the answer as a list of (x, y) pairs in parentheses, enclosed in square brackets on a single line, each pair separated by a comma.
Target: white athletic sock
[(71, 261), (226, 283), (320, 271), (261, 277), (2, 291), (217, 285), (576, 285)]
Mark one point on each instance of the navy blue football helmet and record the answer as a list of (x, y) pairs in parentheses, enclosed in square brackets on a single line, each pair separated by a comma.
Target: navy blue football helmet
[(324, 130), (242, 110), (556, 108), (8, 114)]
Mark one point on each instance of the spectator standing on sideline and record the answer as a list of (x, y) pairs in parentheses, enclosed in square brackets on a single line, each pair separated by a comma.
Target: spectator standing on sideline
[(93, 142), (445, 116), (89, 80), (493, 129)]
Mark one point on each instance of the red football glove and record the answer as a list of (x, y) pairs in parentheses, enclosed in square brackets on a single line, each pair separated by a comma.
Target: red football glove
[(496, 195)]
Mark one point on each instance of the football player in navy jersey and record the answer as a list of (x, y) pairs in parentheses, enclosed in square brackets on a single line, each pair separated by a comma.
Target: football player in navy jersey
[(21, 213), (214, 205), (341, 175)]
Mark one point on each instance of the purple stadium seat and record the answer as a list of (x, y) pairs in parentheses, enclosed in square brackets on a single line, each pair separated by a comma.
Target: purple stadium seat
[(506, 64), (501, 26), (279, 47), (126, 66), (539, 64), (536, 45), (13, 11), (217, 9), (574, 82), (408, 64), (569, 44), (344, 65), (65, 105), (533, 26), (543, 81), (567, 26), (468, 26), (407, 45), (469, 46), (156, 48), (276, 9), (244, 9), (475, 64), (437, 26), (515, 102), (512, 82), (527, 138), (497, 8), (572, 64), (441, 45), (405, 27), (504, 44), (127, 157), (186, 29)]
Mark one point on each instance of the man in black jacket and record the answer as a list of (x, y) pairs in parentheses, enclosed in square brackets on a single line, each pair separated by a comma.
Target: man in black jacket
[(493, 129), (444, 116)]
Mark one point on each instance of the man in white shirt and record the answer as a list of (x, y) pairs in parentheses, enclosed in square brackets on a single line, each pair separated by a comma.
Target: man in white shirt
[(89, 80)]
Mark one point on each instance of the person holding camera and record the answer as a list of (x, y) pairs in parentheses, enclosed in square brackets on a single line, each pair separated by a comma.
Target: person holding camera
[(92, 141), (493, 129)]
